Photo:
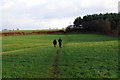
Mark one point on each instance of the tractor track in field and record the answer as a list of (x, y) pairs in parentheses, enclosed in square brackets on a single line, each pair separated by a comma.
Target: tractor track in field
[(53, 71), (18, 50)]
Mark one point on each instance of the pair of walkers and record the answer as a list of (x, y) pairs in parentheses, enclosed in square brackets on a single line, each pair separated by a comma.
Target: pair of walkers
[(59, 41)]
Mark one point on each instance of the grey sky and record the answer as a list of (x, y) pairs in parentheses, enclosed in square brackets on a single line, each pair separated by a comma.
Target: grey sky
[(45, 14)]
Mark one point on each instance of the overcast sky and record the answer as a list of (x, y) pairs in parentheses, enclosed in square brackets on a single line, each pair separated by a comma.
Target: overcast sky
[(45, 14)]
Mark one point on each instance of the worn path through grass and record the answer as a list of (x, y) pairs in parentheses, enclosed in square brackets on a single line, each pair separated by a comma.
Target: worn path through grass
[(54, 69)]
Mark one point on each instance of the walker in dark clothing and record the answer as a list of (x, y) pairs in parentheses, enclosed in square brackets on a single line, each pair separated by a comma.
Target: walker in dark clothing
[(54, 43), (60, 42)]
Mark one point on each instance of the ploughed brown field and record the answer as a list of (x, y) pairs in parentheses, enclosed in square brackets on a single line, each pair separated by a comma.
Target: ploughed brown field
[(22, 32)]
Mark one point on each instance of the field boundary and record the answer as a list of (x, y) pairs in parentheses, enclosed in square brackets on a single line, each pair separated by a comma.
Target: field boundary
[(31, 33)]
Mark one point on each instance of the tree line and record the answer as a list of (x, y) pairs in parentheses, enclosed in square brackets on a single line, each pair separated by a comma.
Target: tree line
[(102, 23)]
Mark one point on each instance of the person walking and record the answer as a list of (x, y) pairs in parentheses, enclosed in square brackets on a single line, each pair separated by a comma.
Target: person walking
[(54, 42), (60, 42)]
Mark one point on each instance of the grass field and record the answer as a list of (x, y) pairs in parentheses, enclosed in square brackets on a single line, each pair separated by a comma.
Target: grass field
[(82, 56)]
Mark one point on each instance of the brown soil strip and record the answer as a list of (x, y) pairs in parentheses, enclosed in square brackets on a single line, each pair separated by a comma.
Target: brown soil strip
[(30, 33), (53, 71)]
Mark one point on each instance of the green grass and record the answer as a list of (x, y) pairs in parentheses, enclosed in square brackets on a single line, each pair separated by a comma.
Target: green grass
[(82, 56)]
